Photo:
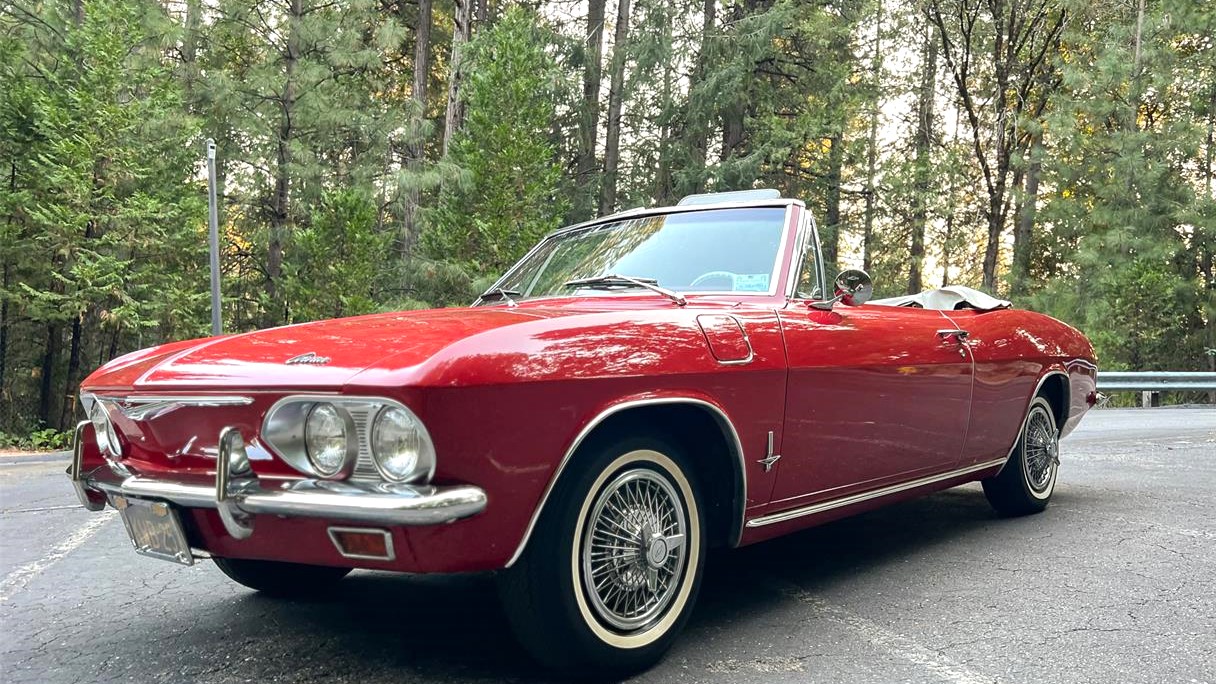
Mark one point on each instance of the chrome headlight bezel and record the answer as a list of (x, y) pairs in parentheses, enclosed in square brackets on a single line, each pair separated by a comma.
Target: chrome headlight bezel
[(283, 430), (424, 458), (346, 444), (103, 427)]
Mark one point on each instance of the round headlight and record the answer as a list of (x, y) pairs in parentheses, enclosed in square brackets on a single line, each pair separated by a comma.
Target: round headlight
[(325, 439), (400, 446)]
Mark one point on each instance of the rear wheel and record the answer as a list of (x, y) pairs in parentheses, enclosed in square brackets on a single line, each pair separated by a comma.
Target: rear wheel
[(286, 580), (1028, 479), (612, 571)]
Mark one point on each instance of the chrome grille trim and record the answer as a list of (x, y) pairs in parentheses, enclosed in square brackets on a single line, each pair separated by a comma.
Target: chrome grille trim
[(148, 406)]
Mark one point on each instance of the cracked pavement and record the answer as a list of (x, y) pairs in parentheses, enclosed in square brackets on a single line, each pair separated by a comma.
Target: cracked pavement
[(1113, 583)]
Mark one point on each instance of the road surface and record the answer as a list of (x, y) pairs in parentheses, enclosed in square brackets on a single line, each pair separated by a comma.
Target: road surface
[(1116, 582)]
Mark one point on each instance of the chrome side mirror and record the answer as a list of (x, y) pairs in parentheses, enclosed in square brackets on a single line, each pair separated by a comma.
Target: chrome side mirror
[(853, 288)]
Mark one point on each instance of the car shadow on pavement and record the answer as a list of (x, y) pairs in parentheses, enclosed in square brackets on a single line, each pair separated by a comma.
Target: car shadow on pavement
[(388, 627)]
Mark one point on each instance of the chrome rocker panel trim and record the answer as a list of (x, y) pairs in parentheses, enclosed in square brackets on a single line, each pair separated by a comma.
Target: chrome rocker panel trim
[(239, 495), (823, 506)]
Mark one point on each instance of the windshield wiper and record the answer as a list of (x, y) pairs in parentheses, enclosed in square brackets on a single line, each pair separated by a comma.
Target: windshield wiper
[(611, 280), (501, 293)]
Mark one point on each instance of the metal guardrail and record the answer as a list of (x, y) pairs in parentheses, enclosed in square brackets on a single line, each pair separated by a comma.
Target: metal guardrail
[(1156, 381)]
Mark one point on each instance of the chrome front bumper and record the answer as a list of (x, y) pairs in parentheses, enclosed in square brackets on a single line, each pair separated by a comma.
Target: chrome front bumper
[(238, 494)]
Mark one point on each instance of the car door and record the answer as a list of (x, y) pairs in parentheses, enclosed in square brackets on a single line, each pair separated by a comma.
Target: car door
[(875, 395)]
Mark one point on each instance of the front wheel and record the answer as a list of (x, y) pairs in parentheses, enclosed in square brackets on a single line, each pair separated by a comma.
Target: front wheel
[(1026, 482), (612, 571), (284, 580)]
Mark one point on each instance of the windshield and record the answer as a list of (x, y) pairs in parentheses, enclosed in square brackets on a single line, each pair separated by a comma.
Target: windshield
[(722, 250)]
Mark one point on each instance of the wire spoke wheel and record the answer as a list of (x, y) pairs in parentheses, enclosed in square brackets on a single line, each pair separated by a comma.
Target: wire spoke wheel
[(1026, 482), (632, 553), (1041, 450)]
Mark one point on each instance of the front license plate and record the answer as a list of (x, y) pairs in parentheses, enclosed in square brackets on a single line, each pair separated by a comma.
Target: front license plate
[(155, 529)]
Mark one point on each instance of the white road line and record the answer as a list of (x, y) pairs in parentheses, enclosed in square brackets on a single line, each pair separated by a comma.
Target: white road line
[(19, 578), (42, 509), (893, 643)]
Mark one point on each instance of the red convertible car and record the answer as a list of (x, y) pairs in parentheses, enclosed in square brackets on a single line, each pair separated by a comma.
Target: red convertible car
[(636, 390)]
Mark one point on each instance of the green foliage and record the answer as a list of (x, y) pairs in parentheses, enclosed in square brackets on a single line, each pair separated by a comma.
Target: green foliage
[(427, 282), (101, 216), (508, 195), (1124, 218), (336, 260), (325, 155), (47, 439), (50, 439)]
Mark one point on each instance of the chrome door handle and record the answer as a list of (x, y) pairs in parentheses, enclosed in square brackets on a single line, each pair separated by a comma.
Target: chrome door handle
[(960, 335)]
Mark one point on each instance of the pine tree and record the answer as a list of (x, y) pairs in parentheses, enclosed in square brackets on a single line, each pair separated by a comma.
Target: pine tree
[(301, 85), (103, 225), (1124, 214), (508, 196)]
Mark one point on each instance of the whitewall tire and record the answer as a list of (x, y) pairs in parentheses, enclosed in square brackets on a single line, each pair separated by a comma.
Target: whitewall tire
[(1027, 481), (613, 567)]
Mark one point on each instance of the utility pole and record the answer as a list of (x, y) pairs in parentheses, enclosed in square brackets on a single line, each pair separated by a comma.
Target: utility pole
[(213, 220)]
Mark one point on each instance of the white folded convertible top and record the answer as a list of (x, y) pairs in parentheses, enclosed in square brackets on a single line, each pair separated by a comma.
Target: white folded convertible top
[(947, 298)]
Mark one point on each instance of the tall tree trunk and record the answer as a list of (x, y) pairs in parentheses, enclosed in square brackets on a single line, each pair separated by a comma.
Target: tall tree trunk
[(867, 233), (70, 378), (280, 215), (996, 225), (50, 359), (1136, 71), (1023, 233), (697, 125), (947, 248), (589, 118), (481, 13), (923, 161), (1021, 37), (194, 11), (4, 285), (612, 140), (1206, 246), (415, 145), (732, 138), (461, 31), (662, 175), (831, 228), (1209, 143), (69, 381), (4, 327), (951, 208), (1131, 117), (111, 352)]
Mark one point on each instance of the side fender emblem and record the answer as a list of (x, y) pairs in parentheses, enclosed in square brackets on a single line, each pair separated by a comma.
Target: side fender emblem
[(310, 359), (770, 458)]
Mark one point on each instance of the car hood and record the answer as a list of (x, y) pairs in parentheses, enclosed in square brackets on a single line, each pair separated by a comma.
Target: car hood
[(319, 355)]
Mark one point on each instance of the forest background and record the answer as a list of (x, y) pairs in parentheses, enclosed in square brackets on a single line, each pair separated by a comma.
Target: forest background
[(394, 154)]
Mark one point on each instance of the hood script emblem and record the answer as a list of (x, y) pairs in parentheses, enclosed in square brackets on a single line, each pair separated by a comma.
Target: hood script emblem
[(310, 358)]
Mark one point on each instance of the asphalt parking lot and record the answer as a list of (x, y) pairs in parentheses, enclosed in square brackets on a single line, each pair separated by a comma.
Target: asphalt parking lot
[(1116, 582)]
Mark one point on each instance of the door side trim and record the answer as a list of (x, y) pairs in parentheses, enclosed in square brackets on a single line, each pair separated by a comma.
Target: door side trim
[(824, 506)]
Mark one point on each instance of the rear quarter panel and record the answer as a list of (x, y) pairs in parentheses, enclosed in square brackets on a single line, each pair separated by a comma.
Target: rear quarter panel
[(1013, 350)]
